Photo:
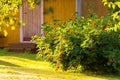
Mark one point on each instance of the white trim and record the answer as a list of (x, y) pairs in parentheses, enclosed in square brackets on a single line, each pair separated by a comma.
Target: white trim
[(21, 29), (78, 8), (42, 17)]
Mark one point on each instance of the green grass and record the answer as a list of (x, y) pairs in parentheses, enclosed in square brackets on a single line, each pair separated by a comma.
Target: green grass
[(25, 66)]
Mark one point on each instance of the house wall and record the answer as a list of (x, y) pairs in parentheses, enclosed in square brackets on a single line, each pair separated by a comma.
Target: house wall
[(62, 9), (13, 37), (95, 5)]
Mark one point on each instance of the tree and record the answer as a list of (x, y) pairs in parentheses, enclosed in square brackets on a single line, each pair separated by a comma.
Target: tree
[(9, 13), (114, 8)]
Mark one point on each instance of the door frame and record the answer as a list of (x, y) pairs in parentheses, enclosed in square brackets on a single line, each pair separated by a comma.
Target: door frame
[(21, 26)]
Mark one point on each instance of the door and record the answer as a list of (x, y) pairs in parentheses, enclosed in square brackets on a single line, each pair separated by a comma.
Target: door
[(32, 19)]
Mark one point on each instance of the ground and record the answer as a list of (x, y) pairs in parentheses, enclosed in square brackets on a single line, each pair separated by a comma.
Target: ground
[(25, 66)]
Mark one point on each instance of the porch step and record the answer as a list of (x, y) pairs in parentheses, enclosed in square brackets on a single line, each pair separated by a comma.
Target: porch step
[(22, 47)]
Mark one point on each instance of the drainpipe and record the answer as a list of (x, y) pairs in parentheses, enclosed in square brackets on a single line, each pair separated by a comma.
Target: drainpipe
[(78, 8)]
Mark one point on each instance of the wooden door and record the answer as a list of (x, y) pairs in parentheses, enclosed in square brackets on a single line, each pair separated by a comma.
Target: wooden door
[(32, 20)]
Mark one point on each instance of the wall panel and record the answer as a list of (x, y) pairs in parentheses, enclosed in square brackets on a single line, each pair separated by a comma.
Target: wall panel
[(63, 9), (95, 5)]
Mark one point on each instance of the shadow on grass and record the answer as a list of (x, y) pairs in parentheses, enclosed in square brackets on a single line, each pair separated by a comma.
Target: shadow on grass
[(7, 64), (106, 76), (29, 59), (26, 55)]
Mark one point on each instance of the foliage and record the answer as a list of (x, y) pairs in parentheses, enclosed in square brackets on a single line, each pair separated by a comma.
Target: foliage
[(114, 7), (88, 43), (9, 13), (92, 43)]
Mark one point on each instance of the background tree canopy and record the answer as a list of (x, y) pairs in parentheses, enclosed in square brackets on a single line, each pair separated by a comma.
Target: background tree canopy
[(9, 13)]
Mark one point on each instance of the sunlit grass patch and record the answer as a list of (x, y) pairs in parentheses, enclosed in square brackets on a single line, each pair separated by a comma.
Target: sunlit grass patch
[(25, 66), (22, 62)]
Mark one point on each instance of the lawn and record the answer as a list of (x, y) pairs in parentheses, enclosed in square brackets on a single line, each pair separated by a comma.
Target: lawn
[(25, 66)]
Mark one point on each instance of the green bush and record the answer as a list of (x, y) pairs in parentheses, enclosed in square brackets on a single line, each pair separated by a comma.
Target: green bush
[(89, 43), (92, 43)]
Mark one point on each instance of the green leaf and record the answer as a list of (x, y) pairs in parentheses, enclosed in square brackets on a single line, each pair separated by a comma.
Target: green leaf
[(118, 4), (104, 0), (109, 5), (113, 6), (105, 3)]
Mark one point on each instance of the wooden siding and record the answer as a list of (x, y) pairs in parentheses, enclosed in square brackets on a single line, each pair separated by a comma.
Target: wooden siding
[(95, 5), (32, 20), (13, 37), (62, 9)]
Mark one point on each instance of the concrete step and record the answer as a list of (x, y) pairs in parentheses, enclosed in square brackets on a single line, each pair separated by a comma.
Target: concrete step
[(18, 50), (22, 47)]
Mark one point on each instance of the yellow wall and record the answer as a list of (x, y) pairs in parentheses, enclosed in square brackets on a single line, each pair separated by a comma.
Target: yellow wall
[(63, 9), (13, 35)]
